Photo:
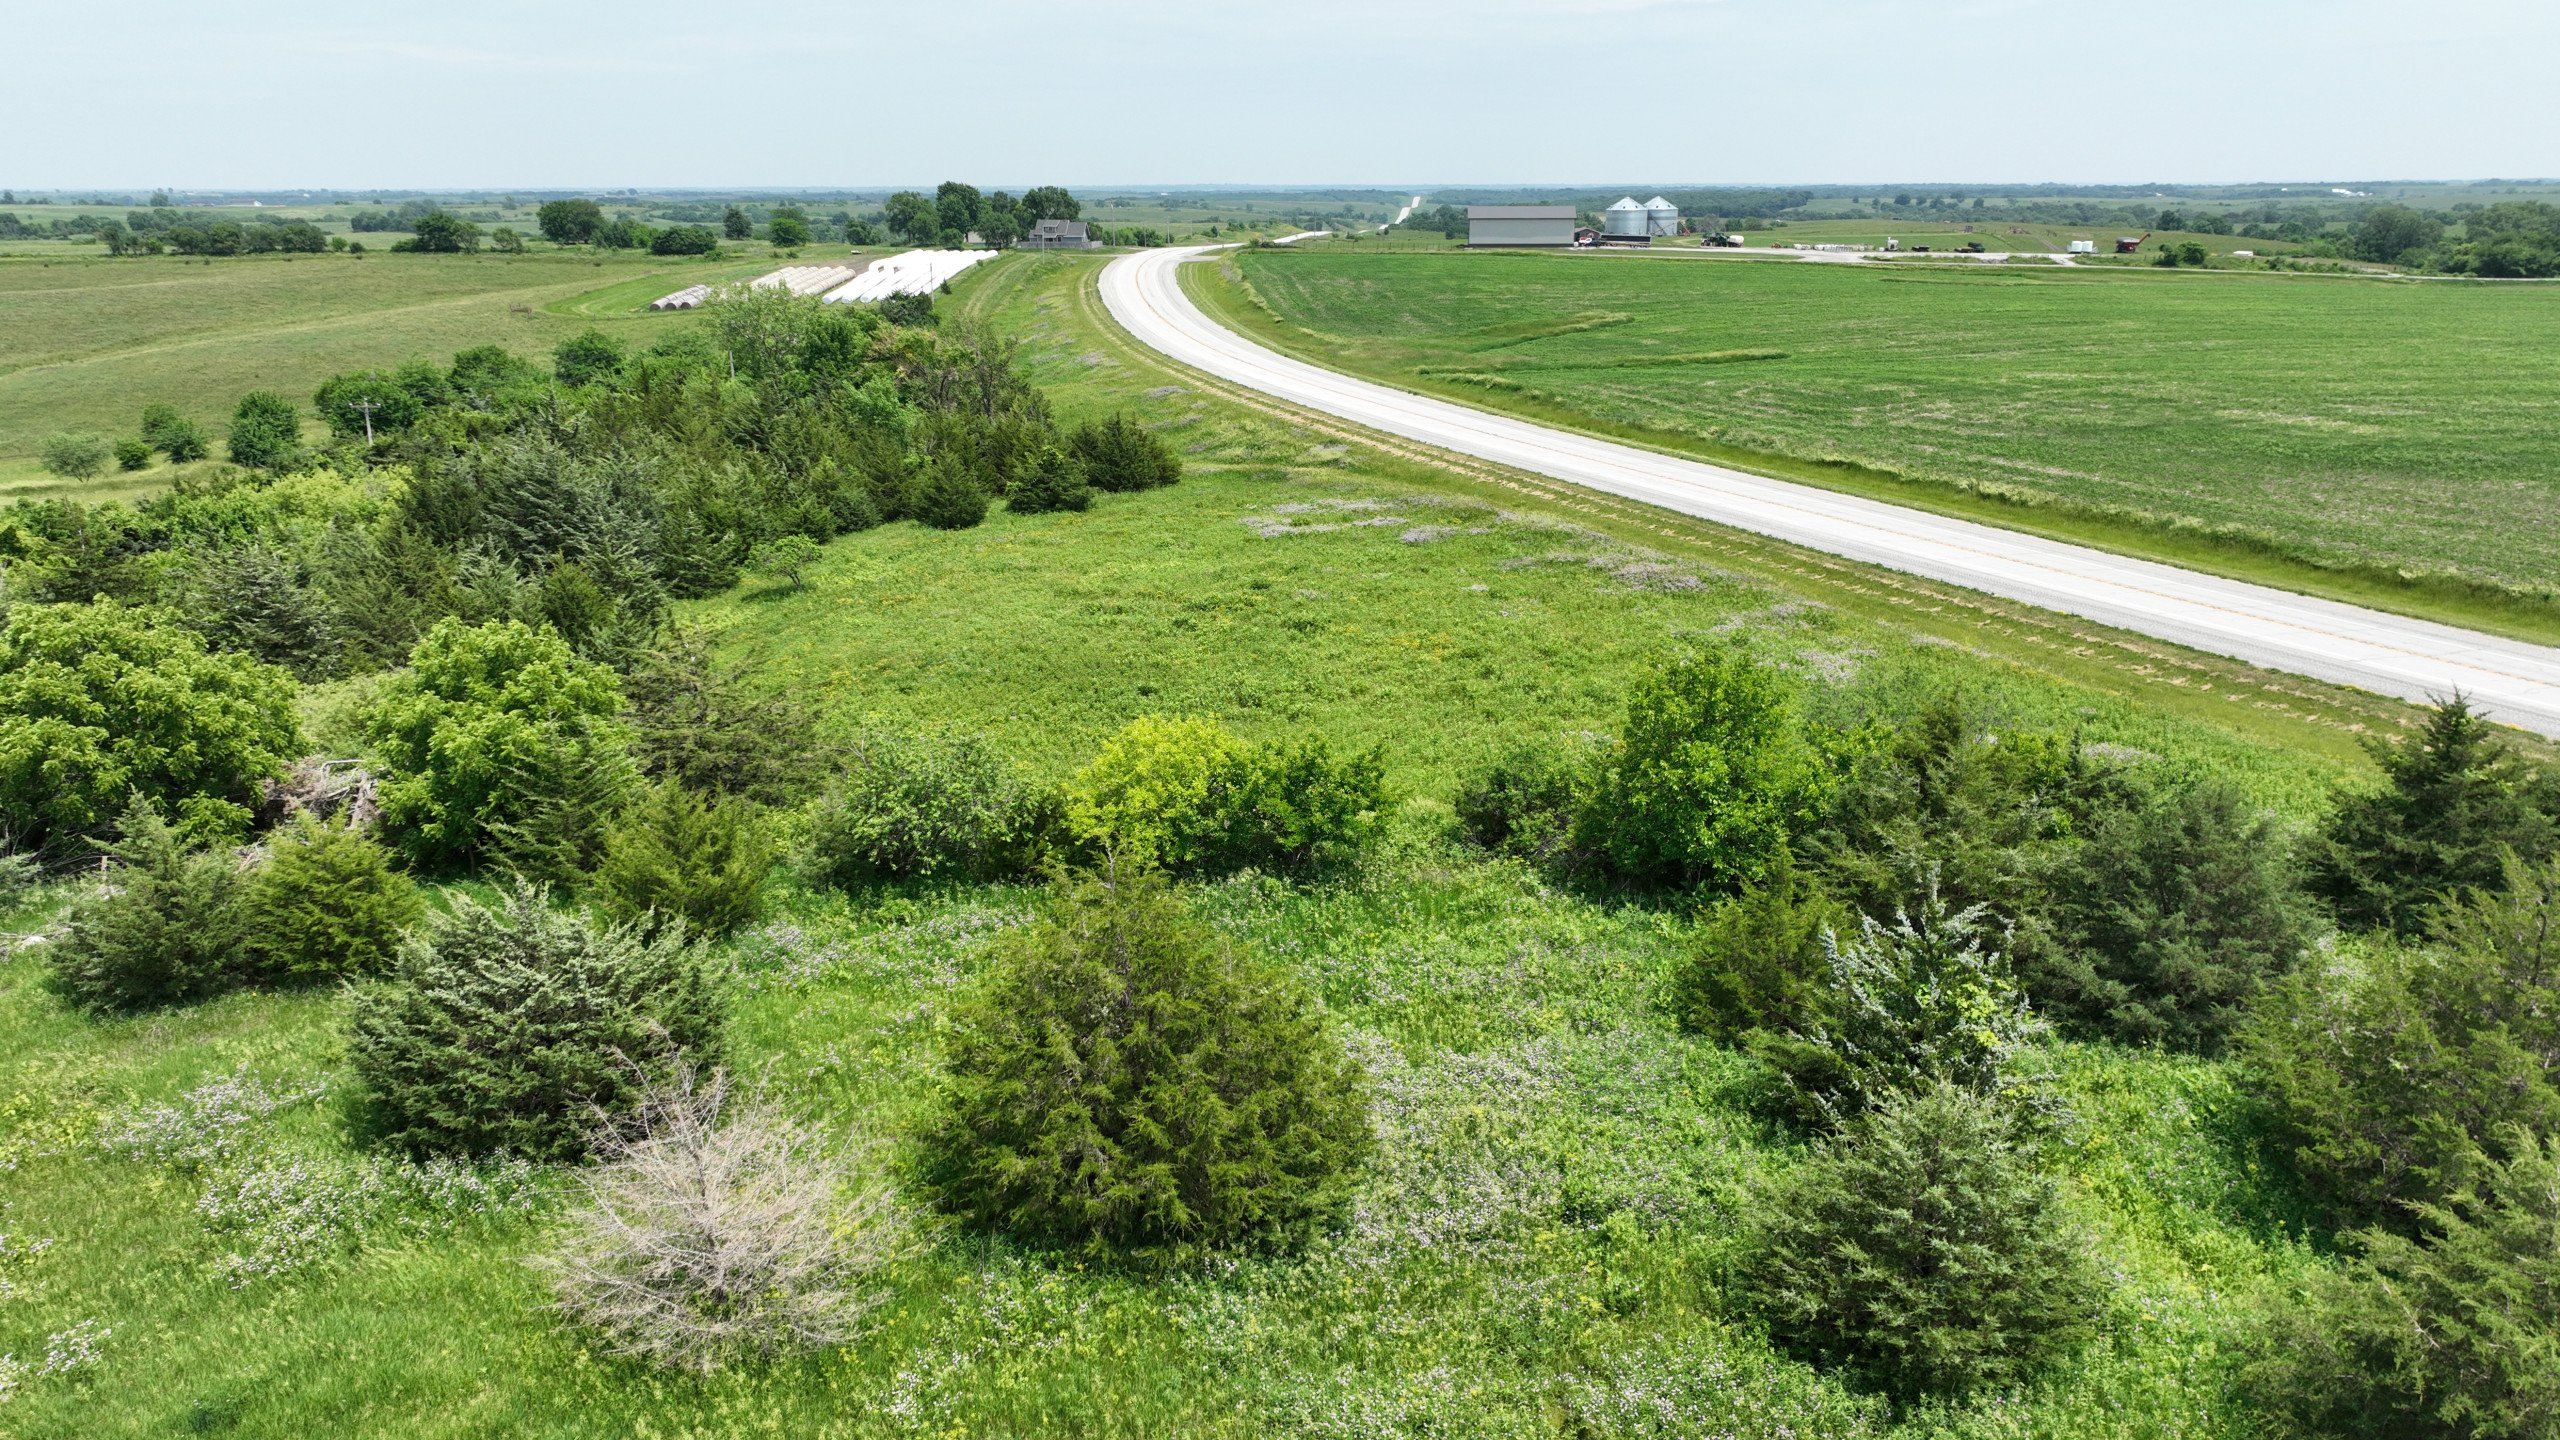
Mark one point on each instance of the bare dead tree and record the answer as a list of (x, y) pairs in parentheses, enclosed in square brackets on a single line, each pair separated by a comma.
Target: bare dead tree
[(713, 1226)]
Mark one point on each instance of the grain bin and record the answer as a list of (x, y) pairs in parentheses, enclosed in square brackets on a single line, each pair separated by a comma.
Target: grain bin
[(1627, 220), (1661, 217)]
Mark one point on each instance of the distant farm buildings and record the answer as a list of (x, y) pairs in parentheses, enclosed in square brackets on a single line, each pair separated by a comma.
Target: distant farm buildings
[(1518, 226), (1059, 235)]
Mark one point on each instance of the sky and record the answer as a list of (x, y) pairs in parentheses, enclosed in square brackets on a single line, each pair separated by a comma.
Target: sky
[(538, 94)]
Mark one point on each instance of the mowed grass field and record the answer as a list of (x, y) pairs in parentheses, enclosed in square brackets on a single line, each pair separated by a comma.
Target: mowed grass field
[(86, 344), (2346, 423), (1539, 1247)]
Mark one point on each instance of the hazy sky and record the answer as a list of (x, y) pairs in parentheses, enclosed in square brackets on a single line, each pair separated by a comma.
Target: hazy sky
[(537, 93)]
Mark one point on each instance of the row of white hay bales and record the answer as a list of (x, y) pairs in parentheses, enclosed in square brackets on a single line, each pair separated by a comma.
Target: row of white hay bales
[(811, 279), (912, 272), (916, 272)]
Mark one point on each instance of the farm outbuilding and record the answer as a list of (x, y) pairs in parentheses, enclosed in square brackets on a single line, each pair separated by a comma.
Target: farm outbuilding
[(1519, 225), (1626, 220), (1058, 235)]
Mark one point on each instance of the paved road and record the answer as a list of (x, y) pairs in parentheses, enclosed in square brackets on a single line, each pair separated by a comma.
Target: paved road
[(2412, 659)]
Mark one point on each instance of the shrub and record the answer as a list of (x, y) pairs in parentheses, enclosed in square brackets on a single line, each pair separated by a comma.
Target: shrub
[(908, 807), (1522, 803), (2171, 917), (1921, 1251), (99, 702), (676, 855), (2455, 799), (1189, 796), (2453, 1336), (1709, 776), (710, 1228), (162, 423), (508, 1029), (133, 454), (1123, 1078), (328, 905), (1906, 1007), (2386, 1086), (586, 358), (786, 558), (700, 726), (76, 457), (1054, 481), (1757, 962), (498, 740), (947, 496), (183, 443), (170, 929), (266, 432), (1119, 454)]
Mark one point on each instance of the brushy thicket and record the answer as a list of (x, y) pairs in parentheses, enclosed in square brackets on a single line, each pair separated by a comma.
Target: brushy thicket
[(909, 807), (1124, 1078), (675, 855), (509, 1028), (1922, 1251), (702, 726), (327, 905), (2388, 1082), (2451, 1336), (1191, 797), (99, 703), (498, 741), (169, 929), (712, 1229)]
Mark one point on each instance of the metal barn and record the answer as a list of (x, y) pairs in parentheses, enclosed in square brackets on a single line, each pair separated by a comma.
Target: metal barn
[(1496, 226)]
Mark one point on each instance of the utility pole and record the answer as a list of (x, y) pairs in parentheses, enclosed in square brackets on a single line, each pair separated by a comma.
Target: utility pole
[(366, 407)]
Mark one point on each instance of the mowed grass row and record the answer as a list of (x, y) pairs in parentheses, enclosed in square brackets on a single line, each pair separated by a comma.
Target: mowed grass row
[(85, 344), (1540, 1242), (2349, 422)]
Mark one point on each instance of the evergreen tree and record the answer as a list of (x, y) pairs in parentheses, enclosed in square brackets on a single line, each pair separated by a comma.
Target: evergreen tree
[(1053, 482), (2455, 800), (1124, 1079), (171, 928), (508, 1029), (1922, 1252), (327, 904), (674, 855)]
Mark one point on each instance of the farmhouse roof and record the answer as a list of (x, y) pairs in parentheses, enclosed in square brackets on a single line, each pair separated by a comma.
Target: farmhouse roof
[(1057, 230)]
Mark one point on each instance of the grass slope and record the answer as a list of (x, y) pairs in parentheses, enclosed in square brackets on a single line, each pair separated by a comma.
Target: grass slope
[(1539, 1249), (2328, 433)]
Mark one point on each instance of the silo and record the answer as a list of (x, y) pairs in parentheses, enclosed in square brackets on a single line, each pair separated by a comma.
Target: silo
[(1661, 217), (1627, 220)]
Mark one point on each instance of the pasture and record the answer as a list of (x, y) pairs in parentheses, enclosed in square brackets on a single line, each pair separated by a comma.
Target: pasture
[(85, 344), (2365, 438), (1539, 1248)]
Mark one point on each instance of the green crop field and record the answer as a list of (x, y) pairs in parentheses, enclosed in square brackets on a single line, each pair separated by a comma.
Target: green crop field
[(85, 344), (1538, 1249), (2332, 433)]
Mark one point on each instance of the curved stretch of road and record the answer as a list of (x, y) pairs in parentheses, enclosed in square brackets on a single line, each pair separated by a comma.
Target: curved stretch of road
[(2515, 682)]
